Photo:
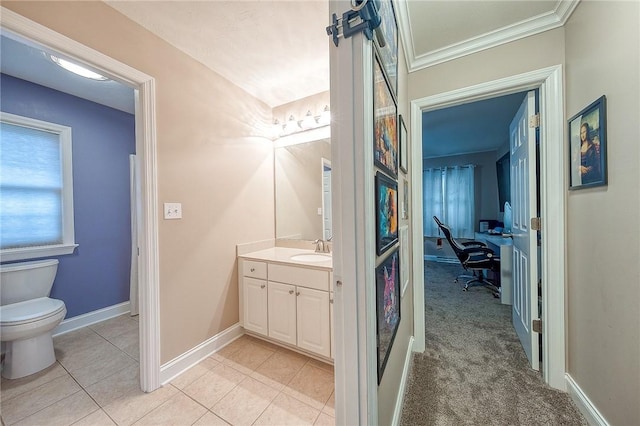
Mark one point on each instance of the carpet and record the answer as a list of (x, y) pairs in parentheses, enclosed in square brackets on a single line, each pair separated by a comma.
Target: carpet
[(474, 370)]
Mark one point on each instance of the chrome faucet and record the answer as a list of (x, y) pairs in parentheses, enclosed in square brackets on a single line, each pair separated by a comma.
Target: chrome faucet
[(322, 246)]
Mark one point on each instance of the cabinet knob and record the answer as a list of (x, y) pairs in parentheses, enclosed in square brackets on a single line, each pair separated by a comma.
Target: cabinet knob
[(297, 293), (331, 301), (339, 283), (253, 269), (263, 286), (290, 291)]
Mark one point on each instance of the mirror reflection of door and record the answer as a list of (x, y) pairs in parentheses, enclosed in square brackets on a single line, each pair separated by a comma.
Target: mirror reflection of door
[(327, 232), (299, 190)]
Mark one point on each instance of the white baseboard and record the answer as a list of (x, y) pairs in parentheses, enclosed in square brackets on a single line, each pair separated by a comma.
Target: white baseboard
[(182, 363), (84, 320), (397, 412), (586, 407)]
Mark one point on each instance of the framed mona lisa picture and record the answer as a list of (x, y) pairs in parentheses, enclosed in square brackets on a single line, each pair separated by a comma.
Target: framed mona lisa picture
[(588, 146)]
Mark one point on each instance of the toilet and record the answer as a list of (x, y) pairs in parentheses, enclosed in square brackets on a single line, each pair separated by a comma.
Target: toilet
[(28, 316)]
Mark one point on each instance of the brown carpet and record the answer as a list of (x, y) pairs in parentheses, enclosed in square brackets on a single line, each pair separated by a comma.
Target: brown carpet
[(474, 370)]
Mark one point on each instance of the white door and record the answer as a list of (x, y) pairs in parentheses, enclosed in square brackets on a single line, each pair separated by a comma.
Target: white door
[(525, 253), (313, 321), (282, 312), (254, 293)]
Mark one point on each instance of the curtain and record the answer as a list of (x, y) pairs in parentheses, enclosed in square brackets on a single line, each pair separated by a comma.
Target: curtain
[(459, 201), (449, 194), (432, 200)]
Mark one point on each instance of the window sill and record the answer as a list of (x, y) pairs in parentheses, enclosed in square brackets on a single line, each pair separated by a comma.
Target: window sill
[(36, 252)]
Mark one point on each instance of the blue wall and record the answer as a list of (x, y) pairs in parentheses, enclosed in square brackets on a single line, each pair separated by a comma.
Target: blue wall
[(96, 275)]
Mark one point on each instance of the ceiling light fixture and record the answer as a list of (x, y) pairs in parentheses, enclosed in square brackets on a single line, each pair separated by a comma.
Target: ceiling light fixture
[(77, 69)]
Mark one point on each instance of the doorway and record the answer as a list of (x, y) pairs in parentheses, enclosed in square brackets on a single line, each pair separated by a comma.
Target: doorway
[(146, 150), (552, 205)]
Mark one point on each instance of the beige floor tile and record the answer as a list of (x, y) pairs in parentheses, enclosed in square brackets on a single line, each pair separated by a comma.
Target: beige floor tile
[(312, 386), (249, 358), (128, 342), (127, 410), (105, 365), (125, 382), (286, 410), (214, 385), (36, 399), (63, 412), (77, 340), (194, 373), (330, 406), (325, 420), (210, 419), (320, 364), (268, 345), (97, 418), (115, 326), (278, 370), (243, 343), (179, 410), (12, 388), (75, 360), (244, 404), (233, 347)]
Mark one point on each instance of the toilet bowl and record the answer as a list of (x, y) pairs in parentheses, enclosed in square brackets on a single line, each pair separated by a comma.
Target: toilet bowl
[(28, 316)]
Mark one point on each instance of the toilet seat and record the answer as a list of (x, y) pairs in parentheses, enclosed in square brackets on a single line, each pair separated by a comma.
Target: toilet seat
[(30, 311)]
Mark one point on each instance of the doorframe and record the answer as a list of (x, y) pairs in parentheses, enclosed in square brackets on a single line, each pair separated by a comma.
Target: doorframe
[(145, 121), (553, 174)]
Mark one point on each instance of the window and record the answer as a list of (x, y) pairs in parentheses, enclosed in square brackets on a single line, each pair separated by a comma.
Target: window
[(36, 189), (449, 194)]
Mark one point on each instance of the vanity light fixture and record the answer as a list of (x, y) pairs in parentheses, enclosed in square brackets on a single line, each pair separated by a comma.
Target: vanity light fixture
[(77, 69), (325, 117), (309, 121), (291, 126)]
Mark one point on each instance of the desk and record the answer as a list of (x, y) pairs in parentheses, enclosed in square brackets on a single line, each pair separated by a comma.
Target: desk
[(503, 246)]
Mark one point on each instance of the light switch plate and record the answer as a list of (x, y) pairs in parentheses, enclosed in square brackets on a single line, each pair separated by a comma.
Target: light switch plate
[(173, 210)]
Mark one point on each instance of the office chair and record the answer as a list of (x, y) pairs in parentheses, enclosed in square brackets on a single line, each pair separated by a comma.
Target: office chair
[(474, 256)]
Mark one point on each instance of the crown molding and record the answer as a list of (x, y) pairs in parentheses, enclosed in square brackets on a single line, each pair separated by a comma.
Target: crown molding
[(522, 29)]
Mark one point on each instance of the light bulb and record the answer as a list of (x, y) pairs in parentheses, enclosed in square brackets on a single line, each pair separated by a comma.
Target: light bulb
[(291, 126), (309, 122)]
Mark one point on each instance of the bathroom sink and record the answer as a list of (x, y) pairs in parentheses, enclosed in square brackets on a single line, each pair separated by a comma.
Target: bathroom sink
[(311, 257)]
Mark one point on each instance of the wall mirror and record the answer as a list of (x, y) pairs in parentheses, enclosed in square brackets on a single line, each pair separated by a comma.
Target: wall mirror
[(302, 176)]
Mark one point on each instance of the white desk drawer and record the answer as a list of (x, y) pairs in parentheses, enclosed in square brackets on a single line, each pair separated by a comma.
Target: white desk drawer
[(304, 277), (251, 268)]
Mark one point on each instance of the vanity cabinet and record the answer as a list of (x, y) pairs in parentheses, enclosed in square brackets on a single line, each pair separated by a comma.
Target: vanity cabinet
[(288, 304), (282, 312), (254, 296), (313, 322)]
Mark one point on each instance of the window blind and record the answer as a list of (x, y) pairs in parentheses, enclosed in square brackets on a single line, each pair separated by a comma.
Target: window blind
[(31, 187)]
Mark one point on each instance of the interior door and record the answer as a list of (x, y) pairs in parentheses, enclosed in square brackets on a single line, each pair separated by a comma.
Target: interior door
[(525, 253)]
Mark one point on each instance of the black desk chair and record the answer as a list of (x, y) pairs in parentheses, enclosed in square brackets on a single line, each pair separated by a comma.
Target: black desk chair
[(474, 256)]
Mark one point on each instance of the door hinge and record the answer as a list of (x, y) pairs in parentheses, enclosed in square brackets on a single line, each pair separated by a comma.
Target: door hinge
[(534, 121), (536, 224), (536, 326)]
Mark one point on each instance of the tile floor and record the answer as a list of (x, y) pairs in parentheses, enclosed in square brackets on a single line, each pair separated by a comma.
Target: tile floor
[(95, 382)]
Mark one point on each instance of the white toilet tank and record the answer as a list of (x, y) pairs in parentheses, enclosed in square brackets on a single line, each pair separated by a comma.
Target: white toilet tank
[(26, 280)]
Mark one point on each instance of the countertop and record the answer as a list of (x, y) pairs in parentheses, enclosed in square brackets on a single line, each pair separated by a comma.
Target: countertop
[(283, 255)]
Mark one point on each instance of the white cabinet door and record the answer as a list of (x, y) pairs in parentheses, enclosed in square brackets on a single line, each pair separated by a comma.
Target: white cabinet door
[(254, 295), (313, 321), (282, 312)]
